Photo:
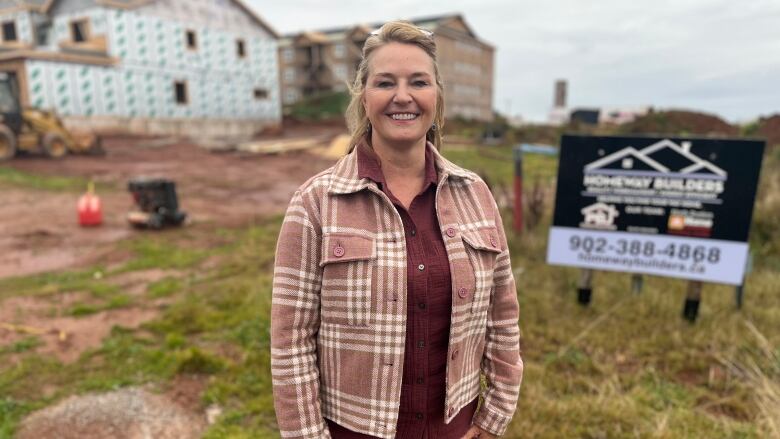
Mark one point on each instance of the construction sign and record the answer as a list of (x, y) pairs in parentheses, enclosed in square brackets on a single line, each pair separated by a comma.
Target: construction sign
[(665, 206)]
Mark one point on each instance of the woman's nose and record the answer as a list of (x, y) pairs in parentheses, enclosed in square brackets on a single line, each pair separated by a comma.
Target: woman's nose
[(402, 95)]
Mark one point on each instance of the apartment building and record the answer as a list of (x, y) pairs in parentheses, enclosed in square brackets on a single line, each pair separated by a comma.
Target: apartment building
[(313, 62)]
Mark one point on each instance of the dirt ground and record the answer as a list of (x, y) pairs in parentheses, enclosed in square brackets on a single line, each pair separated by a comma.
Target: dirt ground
[(217, 189), (65, 336)]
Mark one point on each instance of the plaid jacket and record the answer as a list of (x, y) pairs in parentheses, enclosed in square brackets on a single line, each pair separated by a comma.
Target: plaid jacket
[(339, 313)]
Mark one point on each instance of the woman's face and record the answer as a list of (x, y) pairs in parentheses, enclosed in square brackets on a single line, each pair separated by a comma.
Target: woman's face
[(400, 94)]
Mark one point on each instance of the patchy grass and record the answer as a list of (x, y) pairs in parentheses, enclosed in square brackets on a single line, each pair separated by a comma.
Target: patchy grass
[(10, 412), (16, 178), (23, 345), (627, 366), (164, 287), (496, 163), (217, 325), (159, 252), (56, 283), (113, 302)]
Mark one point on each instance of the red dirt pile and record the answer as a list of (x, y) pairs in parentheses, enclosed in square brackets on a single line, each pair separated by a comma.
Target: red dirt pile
[(769, 128), (680, 122)]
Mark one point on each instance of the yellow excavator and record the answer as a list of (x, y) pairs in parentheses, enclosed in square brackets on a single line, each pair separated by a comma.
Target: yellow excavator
[(33, 130)]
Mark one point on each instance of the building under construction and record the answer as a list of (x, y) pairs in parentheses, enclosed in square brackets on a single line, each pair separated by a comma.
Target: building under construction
[(318, 61)]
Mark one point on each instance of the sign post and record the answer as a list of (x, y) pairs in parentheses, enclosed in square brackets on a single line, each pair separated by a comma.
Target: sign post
[(676, 207), (517, 155), (636, 283), (585, 287), (739, 291), (692, 301)]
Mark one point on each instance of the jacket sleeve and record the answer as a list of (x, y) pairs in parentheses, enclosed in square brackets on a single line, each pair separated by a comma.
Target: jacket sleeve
[(295, 321), (501, 363)]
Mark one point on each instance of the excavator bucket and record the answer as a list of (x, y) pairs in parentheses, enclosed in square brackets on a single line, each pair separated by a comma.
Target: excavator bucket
[(87, 143)]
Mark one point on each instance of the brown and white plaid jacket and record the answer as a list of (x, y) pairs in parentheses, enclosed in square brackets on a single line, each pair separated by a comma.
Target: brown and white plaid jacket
[(338, 318)]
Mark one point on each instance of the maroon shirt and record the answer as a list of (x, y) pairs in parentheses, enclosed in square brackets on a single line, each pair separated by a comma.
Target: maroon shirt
[(429, 304)]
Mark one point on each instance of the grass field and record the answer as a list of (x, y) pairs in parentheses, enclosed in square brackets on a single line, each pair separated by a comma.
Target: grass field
[(627, 366)]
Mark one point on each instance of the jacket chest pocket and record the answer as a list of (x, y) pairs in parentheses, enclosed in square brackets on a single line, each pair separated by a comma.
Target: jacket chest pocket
[(482, 248), (347, 270)]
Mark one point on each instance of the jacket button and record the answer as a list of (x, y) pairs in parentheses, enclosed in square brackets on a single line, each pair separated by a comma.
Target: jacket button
[(451, 232), (493, 240), (418, 415), (454, 354), (462, 293), (338, 251)]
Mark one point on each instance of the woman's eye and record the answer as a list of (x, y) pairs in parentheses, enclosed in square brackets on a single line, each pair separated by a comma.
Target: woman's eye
[(384, 84), (420, 83)]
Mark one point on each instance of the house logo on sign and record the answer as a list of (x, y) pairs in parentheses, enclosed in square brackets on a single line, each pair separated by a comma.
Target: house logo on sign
[(664, 157), (599, 216)]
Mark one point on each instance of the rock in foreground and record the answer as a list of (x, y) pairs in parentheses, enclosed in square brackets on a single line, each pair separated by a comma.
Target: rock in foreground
[(123, 414)]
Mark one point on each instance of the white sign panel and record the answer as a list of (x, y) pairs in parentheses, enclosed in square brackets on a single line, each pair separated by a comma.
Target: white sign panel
[(690, 258)]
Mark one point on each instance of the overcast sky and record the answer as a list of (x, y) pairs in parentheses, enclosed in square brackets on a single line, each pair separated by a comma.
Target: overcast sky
[(719, 56)]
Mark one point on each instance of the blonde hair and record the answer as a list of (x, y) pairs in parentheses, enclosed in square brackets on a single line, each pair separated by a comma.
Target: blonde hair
[(392, 32)]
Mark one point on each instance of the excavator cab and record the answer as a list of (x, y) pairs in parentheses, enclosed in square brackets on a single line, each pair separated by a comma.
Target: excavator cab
[(10, 114), (35, 130)]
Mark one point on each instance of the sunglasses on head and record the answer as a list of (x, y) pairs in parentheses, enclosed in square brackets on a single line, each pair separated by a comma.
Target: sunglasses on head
[(427, 33)]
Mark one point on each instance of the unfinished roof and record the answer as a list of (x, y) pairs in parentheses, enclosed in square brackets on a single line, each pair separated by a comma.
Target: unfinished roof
[(46, 5), (431, 23), (19, 4)]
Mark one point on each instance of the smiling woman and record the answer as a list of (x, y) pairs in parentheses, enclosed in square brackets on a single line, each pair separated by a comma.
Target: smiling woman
[(400, 95), (393, 292), (402, 58)]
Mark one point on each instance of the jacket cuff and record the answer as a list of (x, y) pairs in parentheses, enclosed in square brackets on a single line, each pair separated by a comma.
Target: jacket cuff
[(490, 421), (308, 433)]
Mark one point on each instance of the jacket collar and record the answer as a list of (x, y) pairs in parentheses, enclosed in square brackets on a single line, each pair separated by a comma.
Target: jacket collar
[(346, 179)]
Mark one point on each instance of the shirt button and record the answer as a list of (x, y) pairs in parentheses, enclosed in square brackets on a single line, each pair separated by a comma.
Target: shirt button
[(451, 232), (452, 411), (462, 293), (421, 305), (493, 241), (418, 415), (421, 344), (421, 267), (338, 251), (454, 354)]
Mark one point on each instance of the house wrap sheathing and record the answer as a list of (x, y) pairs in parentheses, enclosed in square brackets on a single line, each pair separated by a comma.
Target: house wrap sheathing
[(193, 67)]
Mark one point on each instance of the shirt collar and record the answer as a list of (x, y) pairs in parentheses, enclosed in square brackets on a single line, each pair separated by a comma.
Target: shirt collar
[(370, 166), (345, 180)]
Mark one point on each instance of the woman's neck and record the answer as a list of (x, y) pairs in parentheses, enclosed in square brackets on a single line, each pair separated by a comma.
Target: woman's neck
[(400, 161)]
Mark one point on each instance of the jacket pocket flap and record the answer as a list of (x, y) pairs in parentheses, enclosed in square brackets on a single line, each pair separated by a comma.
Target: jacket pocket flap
[(483, 239), (344, 247)]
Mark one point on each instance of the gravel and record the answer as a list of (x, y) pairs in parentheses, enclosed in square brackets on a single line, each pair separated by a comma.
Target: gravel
[(130, 413)]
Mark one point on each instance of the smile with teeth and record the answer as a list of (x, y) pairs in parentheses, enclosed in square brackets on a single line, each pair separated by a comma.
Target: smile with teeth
[(403, 116)]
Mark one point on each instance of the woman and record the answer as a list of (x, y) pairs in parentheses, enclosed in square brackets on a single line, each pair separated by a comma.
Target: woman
[(392, 285)]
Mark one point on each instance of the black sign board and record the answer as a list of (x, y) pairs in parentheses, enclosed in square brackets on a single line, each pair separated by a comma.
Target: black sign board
[(678, 207)]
